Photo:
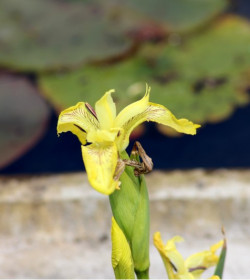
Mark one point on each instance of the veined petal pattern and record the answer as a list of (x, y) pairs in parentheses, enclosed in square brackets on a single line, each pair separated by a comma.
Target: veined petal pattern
[(100, 162), (155, 113), (78, 120)]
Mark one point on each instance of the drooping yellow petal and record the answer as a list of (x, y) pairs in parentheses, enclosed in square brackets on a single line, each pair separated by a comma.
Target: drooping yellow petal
[(199, 262), (78, 120), (147, 111), (106, 110), (193, 267), (121, 254), (172, 259), (160, 247), (175, 256), (100, 162), (160, 114)]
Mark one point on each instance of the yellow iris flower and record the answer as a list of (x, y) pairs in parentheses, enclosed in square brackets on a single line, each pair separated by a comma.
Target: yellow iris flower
[(193, 266), (107, 134)]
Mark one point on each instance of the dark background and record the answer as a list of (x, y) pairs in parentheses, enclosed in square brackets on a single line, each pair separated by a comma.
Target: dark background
[(226, 144)]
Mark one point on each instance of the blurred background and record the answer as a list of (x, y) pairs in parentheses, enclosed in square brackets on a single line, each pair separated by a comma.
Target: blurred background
[(194, 54)]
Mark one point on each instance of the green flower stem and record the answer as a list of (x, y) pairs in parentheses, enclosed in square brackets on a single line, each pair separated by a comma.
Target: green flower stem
[(142, 274), (130, 207)]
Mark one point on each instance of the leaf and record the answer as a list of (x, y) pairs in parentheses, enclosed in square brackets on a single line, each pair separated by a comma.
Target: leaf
[(202, 79), (220, 266), (23, 117), (181, 15), (38, 35)]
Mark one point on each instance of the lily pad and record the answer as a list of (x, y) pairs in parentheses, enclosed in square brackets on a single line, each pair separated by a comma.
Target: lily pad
[(180, 15), (23, 117), (37, 35), (203, 78)]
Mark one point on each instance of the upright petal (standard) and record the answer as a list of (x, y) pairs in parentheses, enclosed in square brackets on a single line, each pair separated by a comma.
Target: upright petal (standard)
[(106, 110)]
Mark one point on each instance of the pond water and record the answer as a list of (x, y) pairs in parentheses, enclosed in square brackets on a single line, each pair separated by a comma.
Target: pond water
[(225, 144)]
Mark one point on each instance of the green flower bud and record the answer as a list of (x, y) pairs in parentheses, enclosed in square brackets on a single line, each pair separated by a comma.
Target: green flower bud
[(130, 207)]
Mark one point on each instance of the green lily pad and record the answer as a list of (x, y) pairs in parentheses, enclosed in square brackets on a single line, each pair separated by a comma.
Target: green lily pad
[(203, 78), (37, 35), (23, 117), (178, 15)]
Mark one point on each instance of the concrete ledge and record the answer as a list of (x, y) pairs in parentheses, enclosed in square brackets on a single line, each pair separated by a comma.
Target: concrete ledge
[(57, 226), (65, 207)]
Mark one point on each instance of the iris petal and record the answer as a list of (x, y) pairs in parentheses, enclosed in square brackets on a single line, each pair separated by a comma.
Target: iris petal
[(160, 114), (171, 257), (106, 110), (204, 259), (160, 247), (174, 255), (100, 162), (148, 111), (78, 120), (129, 118)]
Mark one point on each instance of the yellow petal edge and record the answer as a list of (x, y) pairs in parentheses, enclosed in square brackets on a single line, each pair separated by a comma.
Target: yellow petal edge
[(143, 110), (193, 267)]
